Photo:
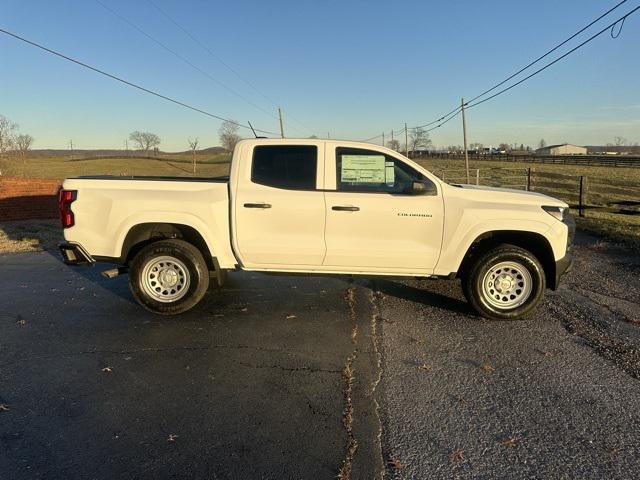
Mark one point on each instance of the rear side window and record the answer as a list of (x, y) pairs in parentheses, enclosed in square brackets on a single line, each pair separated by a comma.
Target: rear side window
[(285, 166)]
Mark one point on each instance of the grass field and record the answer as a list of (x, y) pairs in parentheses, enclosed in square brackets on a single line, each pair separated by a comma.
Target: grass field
[(620, 183), (164, 165)]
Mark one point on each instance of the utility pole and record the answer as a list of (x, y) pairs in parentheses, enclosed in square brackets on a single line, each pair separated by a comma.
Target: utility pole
[(281, 127), (383, 139), (71, 147), (464, 134), (406, 139)]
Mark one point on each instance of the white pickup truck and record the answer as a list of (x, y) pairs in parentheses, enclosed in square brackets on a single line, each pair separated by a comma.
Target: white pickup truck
[(317, 207)]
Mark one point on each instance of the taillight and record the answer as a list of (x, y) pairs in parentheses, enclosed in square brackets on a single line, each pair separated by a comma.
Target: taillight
[(65, 199)]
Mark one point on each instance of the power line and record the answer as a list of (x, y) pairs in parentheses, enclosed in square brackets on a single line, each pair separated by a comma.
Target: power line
[(372, 138), (185, 60), (208, 50), (548, 53), (213, 54), (556, 60), (446, 118), (126, 82), (438, 119)]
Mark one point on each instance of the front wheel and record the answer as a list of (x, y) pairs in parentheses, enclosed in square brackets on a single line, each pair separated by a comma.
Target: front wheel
[(505, 283), (168, 277)]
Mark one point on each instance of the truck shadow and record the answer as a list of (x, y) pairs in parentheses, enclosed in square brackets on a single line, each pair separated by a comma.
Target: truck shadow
[(410, 293)]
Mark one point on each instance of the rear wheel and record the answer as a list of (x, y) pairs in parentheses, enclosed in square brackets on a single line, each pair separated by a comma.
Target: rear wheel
[(505, 283), (168, 277)]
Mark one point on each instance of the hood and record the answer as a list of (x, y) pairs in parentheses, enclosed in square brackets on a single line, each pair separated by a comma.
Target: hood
[(508, 194)]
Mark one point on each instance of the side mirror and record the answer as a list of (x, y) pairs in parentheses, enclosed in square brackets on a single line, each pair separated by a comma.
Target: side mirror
[(423, 188)]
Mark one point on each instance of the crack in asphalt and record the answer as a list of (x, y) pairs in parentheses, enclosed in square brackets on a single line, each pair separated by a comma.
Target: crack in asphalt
[(374, 298), (348, 374), (292, 369), (605, 301)]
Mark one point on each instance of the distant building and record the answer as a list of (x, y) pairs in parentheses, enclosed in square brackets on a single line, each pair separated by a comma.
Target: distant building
[(564, 149)]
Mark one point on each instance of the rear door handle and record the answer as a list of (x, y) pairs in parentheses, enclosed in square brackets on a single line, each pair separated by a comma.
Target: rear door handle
[(257, 205), (342, 208)]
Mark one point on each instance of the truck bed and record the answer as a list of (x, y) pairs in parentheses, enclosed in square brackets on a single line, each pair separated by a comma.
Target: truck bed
[(220, 179), (107, 207)]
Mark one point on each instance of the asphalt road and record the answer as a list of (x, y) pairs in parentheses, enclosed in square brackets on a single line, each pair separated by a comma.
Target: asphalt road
[(302, 377)]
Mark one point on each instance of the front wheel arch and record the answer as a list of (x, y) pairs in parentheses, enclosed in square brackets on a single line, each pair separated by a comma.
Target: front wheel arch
[(532, 242)]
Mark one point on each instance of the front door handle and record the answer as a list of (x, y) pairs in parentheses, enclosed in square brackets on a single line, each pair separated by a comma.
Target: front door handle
[(342, 208), (257, 205)]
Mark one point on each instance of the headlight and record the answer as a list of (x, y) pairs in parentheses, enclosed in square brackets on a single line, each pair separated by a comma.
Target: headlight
[(557, 212)]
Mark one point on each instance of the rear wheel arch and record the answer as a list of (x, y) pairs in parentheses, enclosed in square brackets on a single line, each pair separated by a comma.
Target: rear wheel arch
[(533, 242), (143, 234)]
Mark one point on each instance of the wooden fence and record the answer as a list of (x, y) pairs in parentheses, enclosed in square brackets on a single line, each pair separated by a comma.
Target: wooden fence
[(581, 192), (587, 160)]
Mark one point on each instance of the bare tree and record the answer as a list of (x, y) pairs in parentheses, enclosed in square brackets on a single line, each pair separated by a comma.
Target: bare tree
[(193, 145), (7, 135), (419, 139), (145, 140), (23, 143), (228, 134), (394, 145), (504, 147), (542, 143), (620, 141)]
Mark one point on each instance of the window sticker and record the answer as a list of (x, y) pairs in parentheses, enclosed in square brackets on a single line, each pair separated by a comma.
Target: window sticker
[(365, 169), (390, 173)]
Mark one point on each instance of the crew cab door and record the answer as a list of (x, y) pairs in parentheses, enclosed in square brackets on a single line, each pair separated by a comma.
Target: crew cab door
[(375, 221), (278, 205)]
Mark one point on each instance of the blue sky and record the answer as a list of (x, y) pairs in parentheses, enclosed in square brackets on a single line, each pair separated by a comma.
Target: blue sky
[(348, 68)]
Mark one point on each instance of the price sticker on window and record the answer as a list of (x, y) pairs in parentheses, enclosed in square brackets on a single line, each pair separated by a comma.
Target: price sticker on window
[(368, 169)]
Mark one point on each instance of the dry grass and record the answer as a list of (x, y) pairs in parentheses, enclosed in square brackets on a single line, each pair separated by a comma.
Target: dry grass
[(64, 167), (605, 184), (35, 235), (20, 236), (605, 173)]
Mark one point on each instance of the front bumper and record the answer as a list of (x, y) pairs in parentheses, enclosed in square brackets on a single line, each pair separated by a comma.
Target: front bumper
[(75, 254), (562, 266)]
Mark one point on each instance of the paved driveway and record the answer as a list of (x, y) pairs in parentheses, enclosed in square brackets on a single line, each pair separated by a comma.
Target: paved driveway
[(303, 377)]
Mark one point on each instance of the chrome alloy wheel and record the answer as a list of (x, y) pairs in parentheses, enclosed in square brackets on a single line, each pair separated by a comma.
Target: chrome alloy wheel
[(507, 285), (165, 279)]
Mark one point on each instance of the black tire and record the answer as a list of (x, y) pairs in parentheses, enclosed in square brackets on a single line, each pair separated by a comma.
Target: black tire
[(516, 303), (188, 264)]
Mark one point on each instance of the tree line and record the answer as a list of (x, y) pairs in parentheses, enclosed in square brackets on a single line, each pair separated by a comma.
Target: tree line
[(13, 141)]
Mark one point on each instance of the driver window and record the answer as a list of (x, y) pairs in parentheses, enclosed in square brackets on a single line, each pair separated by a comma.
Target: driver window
[(360, 170)]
